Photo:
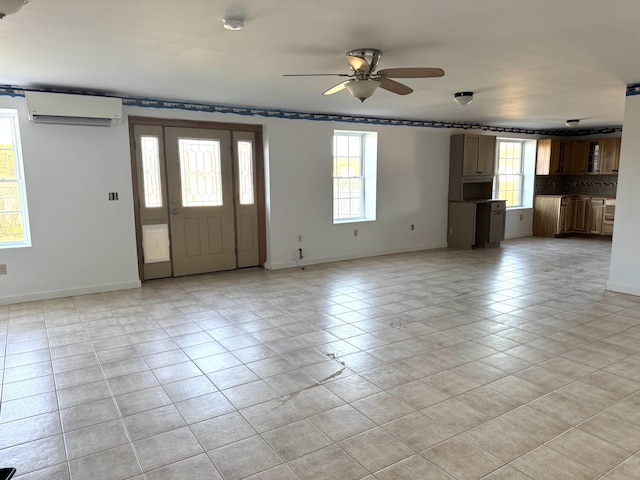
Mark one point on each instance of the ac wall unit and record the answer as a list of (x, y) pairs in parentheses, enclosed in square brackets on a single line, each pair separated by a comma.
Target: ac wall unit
[(46, 107)]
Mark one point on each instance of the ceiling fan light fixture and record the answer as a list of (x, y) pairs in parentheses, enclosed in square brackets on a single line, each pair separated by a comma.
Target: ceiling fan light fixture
[(572, 123), (362, 89), (463, 98), (233, 24), (8, 7)]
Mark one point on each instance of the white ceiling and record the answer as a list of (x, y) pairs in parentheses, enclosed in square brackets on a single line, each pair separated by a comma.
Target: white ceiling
[(531, 64)]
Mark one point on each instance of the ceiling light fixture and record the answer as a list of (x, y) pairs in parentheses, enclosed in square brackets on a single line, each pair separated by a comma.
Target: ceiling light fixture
[(232, 23), (7, 7), (463, 98), (362, 89), (572, 123)]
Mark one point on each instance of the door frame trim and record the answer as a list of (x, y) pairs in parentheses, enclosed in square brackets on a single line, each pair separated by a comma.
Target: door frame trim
[(259, 169)]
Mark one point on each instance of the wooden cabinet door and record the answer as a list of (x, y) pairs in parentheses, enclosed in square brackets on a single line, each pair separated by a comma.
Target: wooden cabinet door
[(562, 221), (478, 157), (571, 215), (579, 157), (553, 156), (543, 156), (470, 153), (486, 155), (609, 155), (593, 157), (581, 215), (557, 160), (596, 215)]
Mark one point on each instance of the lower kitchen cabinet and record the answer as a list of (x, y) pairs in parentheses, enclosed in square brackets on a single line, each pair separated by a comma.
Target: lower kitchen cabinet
[(596, 215), (555, 215), (547, 219), (580, 214), (476, 224)]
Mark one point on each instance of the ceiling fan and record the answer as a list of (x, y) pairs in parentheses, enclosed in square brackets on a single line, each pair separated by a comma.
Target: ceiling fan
[(364, 78)]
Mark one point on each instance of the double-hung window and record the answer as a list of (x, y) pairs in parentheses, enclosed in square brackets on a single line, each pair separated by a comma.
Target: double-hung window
[(14, 219), (509, 172), (354, 176)]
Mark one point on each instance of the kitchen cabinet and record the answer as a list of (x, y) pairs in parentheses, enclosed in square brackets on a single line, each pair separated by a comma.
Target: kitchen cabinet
[(476, 224), (571, 215), (593, 157), (596, 215), (562, 225), (490, 223), (473, 155), (609, 215), (471, 167), (609, 155), (580, 214), (547, 221), (555, 215), (577, 157), (550, 157)]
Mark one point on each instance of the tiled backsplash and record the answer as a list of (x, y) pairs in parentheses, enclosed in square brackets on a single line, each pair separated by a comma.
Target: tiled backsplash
[(605, 185)]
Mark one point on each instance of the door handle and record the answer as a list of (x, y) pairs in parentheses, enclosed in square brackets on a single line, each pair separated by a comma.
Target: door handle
[(175, 211)]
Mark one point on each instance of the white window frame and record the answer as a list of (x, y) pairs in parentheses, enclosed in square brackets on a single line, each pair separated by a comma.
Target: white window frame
[(520, 173), (527, 172), (12, 115), (368, 169)]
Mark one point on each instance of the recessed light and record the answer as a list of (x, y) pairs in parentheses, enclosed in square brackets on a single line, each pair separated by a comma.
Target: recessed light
[(233, 23)]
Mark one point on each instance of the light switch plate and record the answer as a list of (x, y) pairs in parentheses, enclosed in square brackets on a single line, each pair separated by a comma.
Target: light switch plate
[(3, 269)]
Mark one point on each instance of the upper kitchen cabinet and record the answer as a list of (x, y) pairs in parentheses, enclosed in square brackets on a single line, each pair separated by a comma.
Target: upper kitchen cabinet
[(550, 157), (473, 155), (471, 167), (577, 157), (609, 155)]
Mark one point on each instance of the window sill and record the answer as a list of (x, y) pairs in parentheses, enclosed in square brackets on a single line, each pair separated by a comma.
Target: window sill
[(353, 220)]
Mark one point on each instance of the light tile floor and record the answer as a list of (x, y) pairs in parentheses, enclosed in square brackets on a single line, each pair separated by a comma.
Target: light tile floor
[(497, 364)]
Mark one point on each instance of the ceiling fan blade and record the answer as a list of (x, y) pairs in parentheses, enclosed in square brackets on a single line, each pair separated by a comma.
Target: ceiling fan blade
[(358, 64), (411, 72), (395, 87), (336, 88), (317, 75)]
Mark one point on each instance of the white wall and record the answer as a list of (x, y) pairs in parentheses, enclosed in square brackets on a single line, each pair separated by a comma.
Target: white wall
[(84, 243), (81, 242), (519, 223), (413, 168), (624, 273)]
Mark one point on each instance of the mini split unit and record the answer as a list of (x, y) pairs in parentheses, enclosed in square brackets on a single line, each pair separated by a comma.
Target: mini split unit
[(46, 107)]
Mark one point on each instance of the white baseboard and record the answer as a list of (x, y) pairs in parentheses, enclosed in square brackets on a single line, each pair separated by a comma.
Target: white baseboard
[(620, 288), (70, 292), (518, 235), (337, 258)]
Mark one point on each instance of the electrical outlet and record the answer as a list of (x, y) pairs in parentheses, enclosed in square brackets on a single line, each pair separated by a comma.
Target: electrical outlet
[(3, 269), (299, 238), (355, 232), (413, 227), (521, 217)]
